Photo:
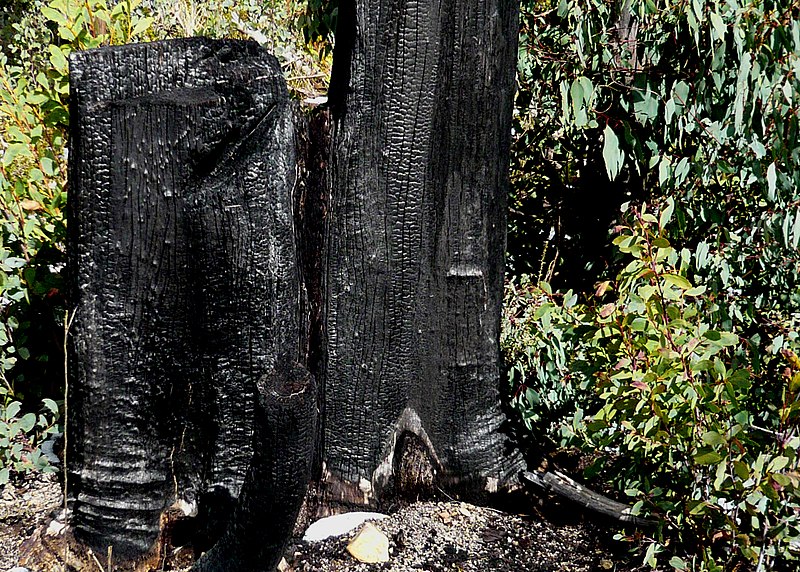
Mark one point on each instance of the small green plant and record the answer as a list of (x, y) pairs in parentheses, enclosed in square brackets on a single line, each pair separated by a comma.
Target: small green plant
[(539, 339), (21, 436)]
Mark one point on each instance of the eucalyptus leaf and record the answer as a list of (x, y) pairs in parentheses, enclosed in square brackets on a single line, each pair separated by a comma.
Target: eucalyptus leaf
[(612, 154)]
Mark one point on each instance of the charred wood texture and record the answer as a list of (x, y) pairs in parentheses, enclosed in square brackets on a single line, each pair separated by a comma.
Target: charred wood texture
[(186, 286), (285, 433), (421, 102), (192, 417)]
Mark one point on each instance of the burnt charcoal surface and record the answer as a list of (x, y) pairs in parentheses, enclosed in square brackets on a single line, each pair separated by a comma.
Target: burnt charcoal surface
[(276, 483), (183, 276), (421, 100)]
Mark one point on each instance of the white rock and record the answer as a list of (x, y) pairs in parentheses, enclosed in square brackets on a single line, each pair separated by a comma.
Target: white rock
[(19, 569), (338, 525), (316, 100), (55, 528)]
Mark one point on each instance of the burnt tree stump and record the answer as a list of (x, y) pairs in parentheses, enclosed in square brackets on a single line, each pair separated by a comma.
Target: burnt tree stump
[(421, 101), (184, 275), (263, 523), (206, 387)]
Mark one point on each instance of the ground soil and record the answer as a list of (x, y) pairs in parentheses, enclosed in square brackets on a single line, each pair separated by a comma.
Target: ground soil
[(436, 535)]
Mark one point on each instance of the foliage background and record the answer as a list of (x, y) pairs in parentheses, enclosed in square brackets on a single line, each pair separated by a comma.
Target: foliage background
[(652, 306), (692, 108)]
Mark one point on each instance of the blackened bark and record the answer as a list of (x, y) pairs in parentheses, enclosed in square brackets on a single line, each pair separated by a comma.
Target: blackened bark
[(184, 277), (285, 434), (187, 281), (421, 98)]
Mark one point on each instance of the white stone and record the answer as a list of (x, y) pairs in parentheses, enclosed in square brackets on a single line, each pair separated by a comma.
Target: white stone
[(55, 528), (338, 525)]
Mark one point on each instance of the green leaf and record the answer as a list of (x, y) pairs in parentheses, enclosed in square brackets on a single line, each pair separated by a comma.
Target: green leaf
[(58, 59), (778, 463), (677, 280), (12, 409), (577, 96), (666, 213), (51, 405), (713, 438), (48, 166), (741, 469), (55, 16), (707, 456), (612, 155), (27, 422), (681, 91), (758, 149), (796, 230), (542, 310), (727, 339), (771, 181), (13, 262), (15, 150), (678, 563), (141, 25), (742, 90)]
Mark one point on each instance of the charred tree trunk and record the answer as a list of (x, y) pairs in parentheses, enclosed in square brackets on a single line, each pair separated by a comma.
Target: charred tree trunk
[(189, 394), (184, 274), (421, 101)]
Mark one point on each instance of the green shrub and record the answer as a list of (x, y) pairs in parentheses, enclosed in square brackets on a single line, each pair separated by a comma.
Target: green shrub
[(677, 424), (690, 351), (678, 419), (22, 434), (693, 100), (540, 342)]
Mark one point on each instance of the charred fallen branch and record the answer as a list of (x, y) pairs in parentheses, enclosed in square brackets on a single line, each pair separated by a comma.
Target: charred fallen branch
[(562, 485)]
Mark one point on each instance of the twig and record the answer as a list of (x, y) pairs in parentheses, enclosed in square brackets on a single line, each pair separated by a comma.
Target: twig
[(764, 430), (108, 557), (566, 487), (96, 561), (67, 324), (309, 76), (762, 552)]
